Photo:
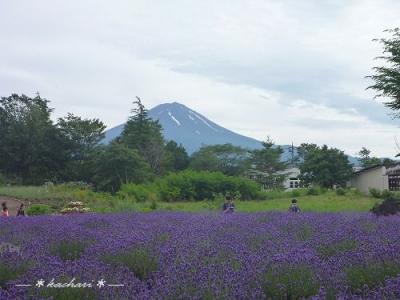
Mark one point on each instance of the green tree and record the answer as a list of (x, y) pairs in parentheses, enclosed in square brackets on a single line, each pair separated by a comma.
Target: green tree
[(388, 162), (323, 166), (83, 136), (116, 164), (176, 156), (387, 76), (228, 159), (268, 161), (366, 159), (144, 135), (32, 148)]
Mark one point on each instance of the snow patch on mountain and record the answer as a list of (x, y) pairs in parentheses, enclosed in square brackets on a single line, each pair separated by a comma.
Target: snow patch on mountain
[(174, 119), (204, 121)]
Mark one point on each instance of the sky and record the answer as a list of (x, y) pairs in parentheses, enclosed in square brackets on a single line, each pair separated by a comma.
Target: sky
[(292, 70)]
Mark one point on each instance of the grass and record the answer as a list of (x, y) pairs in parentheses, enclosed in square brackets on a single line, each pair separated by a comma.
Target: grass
[(139, 261), (67, 293), (58, 196), (68, 250), (292, 282), (327, 202), (372, 275), (334, 249), (8, 273)]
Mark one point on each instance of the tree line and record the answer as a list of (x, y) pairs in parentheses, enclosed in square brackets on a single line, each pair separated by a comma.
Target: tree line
[(34, 149)]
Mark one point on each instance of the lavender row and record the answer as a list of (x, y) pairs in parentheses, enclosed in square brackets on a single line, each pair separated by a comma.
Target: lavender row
[(202, 256)]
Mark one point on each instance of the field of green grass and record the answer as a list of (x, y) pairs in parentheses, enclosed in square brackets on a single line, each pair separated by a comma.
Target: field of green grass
[(58, 196)]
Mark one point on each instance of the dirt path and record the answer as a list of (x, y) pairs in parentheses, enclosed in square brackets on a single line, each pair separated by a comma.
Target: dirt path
[(12, 204)]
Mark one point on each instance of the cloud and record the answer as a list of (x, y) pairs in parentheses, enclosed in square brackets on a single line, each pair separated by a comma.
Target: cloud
[(293, 70)]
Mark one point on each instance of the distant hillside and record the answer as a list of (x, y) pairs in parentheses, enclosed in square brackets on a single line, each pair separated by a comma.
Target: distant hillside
[(191, 129)]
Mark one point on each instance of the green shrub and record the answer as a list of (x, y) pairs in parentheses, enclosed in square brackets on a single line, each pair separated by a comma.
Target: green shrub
[(340, 191), (8, 273), (313, 191), (295, 193), (38, 209), (375, 193), (153, 205), (371, 274), (194, 186), (387, 194), (67, 293), (139, 261), (68, 250), (292, 282), (333, 249), (140, 192)]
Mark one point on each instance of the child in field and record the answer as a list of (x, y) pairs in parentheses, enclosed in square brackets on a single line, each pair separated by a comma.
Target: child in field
[(4, 209), (21, 211), (229, 206), (294, 207), (226, 203)]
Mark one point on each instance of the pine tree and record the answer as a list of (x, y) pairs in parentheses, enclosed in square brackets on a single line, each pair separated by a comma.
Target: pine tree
[(145, 135)]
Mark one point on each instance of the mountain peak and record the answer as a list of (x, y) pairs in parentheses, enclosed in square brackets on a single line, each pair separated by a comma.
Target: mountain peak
[(190, 128)]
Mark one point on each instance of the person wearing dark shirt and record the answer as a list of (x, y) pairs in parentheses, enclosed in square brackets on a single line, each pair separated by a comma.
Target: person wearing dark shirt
[(294, 207), (226, 204), (229, 206), (21, 211)]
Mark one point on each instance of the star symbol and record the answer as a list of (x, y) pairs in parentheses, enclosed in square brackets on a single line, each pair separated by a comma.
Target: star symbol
[(101, 283), (40, 283)]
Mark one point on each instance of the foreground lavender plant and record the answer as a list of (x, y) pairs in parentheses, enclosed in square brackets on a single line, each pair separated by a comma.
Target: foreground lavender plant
[(202, 256)]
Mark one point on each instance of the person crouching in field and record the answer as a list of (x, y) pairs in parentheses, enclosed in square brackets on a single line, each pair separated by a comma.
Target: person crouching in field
[(4, 209), (294, 207), (229, 206)]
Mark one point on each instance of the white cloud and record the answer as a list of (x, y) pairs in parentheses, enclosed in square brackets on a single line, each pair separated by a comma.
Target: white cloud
[(293, 70)]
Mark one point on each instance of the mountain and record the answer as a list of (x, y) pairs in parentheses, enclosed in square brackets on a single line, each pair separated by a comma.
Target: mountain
[(191, 129)]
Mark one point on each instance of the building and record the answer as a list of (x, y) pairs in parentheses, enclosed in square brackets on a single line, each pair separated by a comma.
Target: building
[(288, 179), (291, 178), (371, 177), (377, 177)]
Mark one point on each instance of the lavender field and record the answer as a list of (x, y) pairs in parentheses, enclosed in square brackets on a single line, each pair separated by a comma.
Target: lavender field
[(201, 256)]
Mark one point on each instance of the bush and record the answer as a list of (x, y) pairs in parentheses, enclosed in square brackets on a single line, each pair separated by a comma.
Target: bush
[(292, 282), (139, 261), (68, 250), (38, 209), (313, 191), (193, 186), (389, 206), (197, 186), (387, 194), (295, 193), (375, 193), (8, 272), (371, 275), (140, 192), (153, 204), (340, 191)]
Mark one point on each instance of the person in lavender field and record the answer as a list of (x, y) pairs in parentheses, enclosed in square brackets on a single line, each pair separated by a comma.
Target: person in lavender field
[(294, 207), (21, 211), (229, 206), (4, 209)]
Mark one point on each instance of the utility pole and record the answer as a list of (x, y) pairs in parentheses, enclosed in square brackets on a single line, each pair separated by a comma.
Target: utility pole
[(291, 150)]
